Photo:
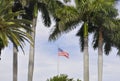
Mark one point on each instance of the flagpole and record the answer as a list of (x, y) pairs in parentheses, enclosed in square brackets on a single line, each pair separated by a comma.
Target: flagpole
[(58, 61), (58, 65)]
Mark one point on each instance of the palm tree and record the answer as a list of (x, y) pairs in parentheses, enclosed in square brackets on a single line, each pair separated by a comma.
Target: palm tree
[(16, 7), (31, 9), (104, 25), (105, 22), (12, 30)]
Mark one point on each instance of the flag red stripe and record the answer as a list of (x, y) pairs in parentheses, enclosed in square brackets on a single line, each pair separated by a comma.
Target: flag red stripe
[(63, 54)]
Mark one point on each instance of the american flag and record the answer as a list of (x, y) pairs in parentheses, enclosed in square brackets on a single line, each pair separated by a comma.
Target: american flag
[(62, 53)]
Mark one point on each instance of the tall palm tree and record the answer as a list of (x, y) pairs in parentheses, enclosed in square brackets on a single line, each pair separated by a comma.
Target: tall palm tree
[(17, 6), (31, 8), (104, 22), (106, 16), (12, 30)]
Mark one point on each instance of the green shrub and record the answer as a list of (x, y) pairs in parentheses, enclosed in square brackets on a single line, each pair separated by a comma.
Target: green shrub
[(61, 77)]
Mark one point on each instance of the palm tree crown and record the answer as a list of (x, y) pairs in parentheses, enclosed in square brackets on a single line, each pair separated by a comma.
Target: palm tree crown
[(12, 30)]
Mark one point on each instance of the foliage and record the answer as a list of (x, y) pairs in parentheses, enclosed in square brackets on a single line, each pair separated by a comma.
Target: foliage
[(107, 21), (12, 30), (61, 77), (32, 9), (96, 14)]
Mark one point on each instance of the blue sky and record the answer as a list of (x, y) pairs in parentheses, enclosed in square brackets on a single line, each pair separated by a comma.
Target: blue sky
[(46, 58)]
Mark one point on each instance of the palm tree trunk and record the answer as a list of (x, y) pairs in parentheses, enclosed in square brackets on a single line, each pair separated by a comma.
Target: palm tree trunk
[(15, 63), (86, 59), (86, 55), (100, 56), (32, 52)]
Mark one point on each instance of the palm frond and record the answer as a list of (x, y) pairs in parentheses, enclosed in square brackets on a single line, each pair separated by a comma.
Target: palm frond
[(68, 18), (80, 33), (95, 40), (55, 34), (45, 14), (11, 29), (107, 47)]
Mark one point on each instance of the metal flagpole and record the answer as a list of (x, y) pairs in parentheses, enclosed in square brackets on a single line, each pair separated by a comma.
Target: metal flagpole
[(58, 65), (58, 62)]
